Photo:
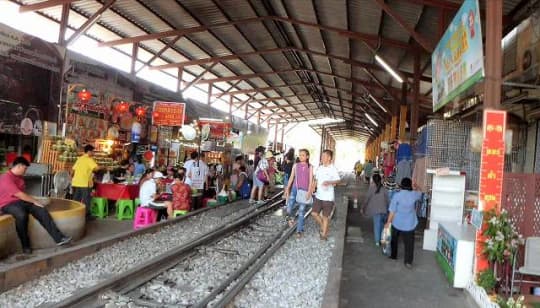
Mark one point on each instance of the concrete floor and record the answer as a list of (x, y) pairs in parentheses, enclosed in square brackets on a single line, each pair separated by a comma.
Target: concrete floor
[(372, 280)]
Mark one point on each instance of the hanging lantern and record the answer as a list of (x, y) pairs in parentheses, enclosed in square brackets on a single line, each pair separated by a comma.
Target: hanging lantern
[(84, 95), (140, 112), (122, 107)]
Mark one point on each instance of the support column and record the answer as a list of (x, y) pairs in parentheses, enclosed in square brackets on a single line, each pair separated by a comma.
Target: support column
[(275, 137), (402, 121), (210, 87), (134, 53), (493, 62), (63, 24), (180, 76), (415, 106)]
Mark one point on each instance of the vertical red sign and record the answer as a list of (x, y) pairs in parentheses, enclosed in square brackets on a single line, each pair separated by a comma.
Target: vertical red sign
[(491, 173)]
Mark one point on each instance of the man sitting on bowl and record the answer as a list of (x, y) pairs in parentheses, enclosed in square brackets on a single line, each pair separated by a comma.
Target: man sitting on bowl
[(14, 201)]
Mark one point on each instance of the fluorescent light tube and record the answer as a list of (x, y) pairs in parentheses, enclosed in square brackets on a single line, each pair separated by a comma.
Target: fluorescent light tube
[(371, 119), (388, 69), (378, 104)]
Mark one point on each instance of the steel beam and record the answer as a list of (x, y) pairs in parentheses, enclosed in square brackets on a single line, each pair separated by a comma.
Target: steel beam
[(160, 52), (178, 32), (424, 42), (89, 22), (43, 5), (199, 78), (63, 24)]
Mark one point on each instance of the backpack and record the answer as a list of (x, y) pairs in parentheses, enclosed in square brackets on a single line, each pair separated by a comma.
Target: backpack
[(245, 189)]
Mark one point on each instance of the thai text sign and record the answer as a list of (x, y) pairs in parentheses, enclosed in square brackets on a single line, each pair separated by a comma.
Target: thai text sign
[(218, 129), (491, 173), (457, 62), (168, 114)]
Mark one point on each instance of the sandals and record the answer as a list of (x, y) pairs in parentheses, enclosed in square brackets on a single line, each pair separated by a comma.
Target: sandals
[(323, 237)]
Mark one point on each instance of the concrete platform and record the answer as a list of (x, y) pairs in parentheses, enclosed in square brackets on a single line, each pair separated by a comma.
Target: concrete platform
[(372, 280)]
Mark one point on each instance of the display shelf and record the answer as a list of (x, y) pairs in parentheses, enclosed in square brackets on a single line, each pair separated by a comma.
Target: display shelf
[(447, 199)]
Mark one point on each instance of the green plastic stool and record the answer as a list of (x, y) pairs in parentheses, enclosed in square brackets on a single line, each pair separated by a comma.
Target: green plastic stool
[(124, 209), (212, 203), (179, 213), (99, 207), (137, 202)]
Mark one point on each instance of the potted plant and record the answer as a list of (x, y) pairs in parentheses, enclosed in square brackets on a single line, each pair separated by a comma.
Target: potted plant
[(511, 302), (487, 280)]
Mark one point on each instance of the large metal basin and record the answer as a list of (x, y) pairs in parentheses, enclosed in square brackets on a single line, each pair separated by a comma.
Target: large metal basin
[(68, 215)]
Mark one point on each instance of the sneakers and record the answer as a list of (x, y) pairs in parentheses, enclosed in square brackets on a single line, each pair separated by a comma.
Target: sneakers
[(260, 202), (65, 240), (408, 265), (251, 201)]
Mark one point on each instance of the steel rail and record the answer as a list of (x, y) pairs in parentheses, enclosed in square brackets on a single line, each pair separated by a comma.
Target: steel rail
[(146, 271), (254, 264)]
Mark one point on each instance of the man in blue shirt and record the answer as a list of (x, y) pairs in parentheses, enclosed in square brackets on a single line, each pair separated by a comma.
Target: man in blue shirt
[(403, 220)]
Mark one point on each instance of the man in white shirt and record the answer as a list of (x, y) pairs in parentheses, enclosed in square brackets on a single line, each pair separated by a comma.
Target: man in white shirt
[(148, 190), (199, 174), (326, 177), (188, 165)]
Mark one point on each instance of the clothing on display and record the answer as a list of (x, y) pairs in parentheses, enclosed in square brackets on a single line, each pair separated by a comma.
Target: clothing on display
[(403, 170), (419, 174), (404, 152)]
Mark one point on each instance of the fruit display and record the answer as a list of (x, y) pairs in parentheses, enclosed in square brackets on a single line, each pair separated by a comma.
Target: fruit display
[(103, 160)]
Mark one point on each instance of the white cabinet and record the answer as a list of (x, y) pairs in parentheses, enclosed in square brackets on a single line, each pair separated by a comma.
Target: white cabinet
[(447, 198), (455, 252)]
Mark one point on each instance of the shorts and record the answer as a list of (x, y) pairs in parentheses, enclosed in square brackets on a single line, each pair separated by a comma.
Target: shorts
[(325, 206), (257, 182)]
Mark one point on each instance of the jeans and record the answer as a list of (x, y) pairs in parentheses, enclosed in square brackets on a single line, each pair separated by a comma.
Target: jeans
[(82, 194), (291, 206), (20, 210), (285, 179), (408, 240), (378, 224)]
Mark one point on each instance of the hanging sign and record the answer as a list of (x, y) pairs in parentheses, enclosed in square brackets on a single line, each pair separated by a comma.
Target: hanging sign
[(168, 114), (457, 62), (491, 173), (216, 129)]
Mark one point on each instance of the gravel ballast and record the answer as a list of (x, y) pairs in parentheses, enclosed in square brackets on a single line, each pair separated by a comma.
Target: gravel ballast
[(116, 259), (295, 276)]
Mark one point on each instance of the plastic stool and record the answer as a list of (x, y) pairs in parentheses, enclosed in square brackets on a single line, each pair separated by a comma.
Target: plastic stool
[(144, 217), (124, 209), (212, 203), (99, 207), (179, 213), (137, 202)]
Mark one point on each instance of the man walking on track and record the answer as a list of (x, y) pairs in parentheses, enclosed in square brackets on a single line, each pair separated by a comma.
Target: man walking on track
[(326, 177)]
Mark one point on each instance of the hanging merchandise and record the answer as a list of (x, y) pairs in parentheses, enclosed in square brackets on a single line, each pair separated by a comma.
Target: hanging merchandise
[(136, 129)]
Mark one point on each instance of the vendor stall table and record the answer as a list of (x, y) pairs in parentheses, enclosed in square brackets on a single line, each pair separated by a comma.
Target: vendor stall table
[(117, 191), (455, 250)]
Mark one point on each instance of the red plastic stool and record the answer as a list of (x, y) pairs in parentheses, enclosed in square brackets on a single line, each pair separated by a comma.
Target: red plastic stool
[(144, 217)]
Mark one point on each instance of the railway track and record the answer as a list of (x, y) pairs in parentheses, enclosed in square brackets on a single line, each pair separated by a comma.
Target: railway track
[(223, 258)]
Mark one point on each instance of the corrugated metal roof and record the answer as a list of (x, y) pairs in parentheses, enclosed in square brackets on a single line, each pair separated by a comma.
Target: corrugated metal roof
[(347, 25)]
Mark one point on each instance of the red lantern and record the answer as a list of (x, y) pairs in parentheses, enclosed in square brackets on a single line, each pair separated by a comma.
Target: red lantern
[(84, 95), (140, 112), (122, 107)]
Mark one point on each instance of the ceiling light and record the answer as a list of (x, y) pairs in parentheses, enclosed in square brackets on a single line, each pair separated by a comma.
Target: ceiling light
[(388, 69), (378, 104), (371, 119)]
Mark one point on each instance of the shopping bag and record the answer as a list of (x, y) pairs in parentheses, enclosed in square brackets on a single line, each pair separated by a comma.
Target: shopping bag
[(386, 236), (303, 197)]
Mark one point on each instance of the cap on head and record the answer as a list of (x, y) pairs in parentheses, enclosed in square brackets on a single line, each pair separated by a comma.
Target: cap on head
[(158, 175)]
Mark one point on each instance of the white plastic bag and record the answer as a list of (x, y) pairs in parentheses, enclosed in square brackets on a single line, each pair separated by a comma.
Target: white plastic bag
[(386, 237)]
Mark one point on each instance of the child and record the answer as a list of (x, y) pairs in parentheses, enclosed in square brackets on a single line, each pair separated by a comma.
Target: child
[(243, 188)]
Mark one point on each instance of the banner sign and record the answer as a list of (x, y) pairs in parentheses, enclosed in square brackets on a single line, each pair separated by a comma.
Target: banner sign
[(457, 62), (25, 48), (214, 129), (491, 172), (168, 114)]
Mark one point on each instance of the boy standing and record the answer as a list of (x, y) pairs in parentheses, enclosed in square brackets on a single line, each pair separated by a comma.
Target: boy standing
[(326, 177)]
